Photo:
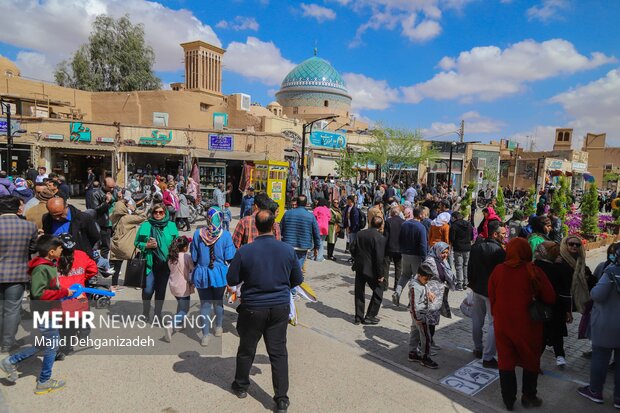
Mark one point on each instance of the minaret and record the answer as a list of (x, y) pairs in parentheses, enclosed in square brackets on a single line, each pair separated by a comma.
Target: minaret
[(203, 67)]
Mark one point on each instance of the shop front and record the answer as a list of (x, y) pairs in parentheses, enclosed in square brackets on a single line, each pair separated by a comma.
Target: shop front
[(21, 155), (437, 172)]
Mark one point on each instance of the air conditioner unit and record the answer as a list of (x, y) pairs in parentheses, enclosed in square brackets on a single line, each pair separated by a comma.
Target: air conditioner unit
[(244, 101), (479, 163)]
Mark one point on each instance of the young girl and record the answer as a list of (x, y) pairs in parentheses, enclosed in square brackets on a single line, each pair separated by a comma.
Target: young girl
[(181, 267)]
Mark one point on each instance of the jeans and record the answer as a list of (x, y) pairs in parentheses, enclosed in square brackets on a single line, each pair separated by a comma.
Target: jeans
[(182, 310), (271, 324), (319, 256), (156, 283), (461, 259), (301, 257), (209, 298), (410, 264), (351, 236), (106, 234), (10, 311), (481, 308), (397, 259), (226, 225), (49, 353), (360, 297), (599, 366)]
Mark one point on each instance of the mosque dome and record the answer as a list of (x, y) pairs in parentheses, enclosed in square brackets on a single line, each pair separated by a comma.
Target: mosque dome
[(314, 73)]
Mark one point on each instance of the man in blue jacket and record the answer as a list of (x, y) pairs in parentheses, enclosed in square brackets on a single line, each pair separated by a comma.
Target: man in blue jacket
[(268, 270), (247, 203), (413, 241), (300, 230)]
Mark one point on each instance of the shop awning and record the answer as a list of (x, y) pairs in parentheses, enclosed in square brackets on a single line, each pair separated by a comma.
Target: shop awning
[(76, 146), (154, 149), (232, 155)]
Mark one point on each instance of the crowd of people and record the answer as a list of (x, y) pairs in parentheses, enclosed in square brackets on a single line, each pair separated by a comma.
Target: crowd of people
[(525, 277)]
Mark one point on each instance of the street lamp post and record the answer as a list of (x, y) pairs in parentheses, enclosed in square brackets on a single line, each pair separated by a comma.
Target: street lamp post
[(452, 145), (9, 137), (303, 149)]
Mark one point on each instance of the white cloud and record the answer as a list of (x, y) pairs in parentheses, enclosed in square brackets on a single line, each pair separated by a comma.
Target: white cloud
[(595, 107), (57, 28), (487, 73), (541, 138), (547, 10), (239, 23), (258, 60), (419, 20), (35, 66), (368, 93), (320, 13), (474, 123)]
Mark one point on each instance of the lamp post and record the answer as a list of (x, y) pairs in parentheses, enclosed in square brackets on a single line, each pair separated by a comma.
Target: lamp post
[(303, 149), (9, 136), (452, 145)]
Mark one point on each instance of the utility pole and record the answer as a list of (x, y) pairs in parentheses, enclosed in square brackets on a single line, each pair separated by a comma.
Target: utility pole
[(9, 137), (461, 131)]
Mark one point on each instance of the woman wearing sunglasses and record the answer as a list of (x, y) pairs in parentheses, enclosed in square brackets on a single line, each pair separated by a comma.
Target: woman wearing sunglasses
[(154, 238)]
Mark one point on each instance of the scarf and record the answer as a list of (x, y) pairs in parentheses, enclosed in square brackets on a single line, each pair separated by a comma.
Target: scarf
[(546, 251), (579, 287), (158, 232), (213, 230), (443, 268), (441, 220)]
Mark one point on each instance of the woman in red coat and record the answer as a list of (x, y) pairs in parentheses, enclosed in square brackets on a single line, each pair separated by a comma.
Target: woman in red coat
[(519, 339)]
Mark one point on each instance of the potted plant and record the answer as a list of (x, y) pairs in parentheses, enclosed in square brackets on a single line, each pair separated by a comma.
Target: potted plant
[(589, 214), (614, 227)]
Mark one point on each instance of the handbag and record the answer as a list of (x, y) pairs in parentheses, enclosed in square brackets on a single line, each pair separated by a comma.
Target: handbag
[(135, 274), (540, 311), (467, 304)]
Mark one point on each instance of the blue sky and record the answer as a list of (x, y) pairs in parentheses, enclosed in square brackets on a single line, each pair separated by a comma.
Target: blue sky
[(510, 68)]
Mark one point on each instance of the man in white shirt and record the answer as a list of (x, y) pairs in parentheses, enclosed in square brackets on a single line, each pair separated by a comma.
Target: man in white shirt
[(411, 193), (42, 174)]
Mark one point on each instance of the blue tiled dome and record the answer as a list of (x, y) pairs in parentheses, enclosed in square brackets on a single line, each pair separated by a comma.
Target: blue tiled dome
[(314, 73)]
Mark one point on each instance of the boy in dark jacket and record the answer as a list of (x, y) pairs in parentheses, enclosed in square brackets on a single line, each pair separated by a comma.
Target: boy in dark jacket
[(461, 235), (44, 287)]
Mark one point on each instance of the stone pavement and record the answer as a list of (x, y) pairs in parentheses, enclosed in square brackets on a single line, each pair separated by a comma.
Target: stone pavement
[(335, 366)]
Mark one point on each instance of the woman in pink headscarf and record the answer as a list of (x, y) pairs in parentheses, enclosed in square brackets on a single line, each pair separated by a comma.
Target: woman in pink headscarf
[(489, 215)]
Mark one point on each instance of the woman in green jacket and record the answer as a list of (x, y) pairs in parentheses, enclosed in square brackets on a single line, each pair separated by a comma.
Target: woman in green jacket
[(541, 226), (154, 238)]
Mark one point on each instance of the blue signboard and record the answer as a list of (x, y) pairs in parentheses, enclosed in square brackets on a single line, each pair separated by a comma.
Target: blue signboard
[(15, 126), (221, 143), (328, 140)]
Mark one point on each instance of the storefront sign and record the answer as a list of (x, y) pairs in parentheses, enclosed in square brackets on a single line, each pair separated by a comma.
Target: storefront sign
[(328, 140), (156, 138), (579, 166), (15, 126), (221, 143), (105, 140), (54, 137), (79, 133), (555, 164)]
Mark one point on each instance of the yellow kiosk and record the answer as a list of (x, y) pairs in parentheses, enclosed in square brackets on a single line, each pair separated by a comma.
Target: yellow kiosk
[(270, 177)]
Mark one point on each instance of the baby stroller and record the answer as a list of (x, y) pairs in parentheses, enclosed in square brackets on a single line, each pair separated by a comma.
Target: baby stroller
[(101, 281)]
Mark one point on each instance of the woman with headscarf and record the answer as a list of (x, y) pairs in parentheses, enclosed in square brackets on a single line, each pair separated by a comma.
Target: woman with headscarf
[(489, 215), (560, 275), (437, 260), (541, 226), (335, 224), (440, 229), (212, 249), (153, 239), (574, 255), (192, 190), (513, 286), (126, 219)]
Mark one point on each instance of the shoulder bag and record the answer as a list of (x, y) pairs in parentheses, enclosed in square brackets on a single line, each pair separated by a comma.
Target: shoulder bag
[(135, 274)]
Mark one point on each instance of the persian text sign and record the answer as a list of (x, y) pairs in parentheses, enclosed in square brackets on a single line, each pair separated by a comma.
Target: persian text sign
[(328, 140), (221, 143)]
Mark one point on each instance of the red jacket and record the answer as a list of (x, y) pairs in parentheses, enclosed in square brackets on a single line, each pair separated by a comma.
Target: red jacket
[(83, 269)]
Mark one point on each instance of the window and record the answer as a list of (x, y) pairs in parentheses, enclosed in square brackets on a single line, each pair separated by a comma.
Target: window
[(326, 103), (160, 119), (295, 110), (204, 107)]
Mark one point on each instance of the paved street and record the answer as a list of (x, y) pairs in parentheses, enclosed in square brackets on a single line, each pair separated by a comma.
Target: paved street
[(335, 366)]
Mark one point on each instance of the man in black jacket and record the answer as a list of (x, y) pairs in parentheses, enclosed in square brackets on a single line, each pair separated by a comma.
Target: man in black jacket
[(391, 232), (485, 255), (351, 221), (461, 234), (368, 250), (67, 218), (103, 200)]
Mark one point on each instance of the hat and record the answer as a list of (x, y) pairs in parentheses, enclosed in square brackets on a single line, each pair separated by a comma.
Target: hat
[(44, 194), (20, 183), (226, 204), (138, 197)]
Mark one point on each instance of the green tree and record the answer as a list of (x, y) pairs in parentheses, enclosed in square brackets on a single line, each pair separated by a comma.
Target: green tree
[(346, 164), (500, 207), (465, 207), (529, 205), (560, 202), (589, 211), (115, 59), (392, 150)]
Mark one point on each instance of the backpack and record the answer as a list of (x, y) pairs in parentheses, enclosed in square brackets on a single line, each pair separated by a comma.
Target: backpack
[(363, 219)]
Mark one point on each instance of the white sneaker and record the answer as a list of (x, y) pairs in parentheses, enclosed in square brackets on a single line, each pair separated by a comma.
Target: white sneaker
[(205, 340), (560, 361), (218, 331), (168, 334)]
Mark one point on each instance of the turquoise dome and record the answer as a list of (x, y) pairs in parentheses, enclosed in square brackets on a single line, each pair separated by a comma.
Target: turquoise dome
[(314, 73)]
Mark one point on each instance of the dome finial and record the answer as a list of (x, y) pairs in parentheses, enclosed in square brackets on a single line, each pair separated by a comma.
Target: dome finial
[(316, 50)]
